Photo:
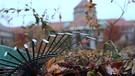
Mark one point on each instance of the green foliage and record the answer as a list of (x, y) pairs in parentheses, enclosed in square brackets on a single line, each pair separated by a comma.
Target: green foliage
[(44, 24), (91, 73)]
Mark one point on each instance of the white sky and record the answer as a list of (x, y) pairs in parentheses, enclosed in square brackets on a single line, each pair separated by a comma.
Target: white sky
[(105, 9)]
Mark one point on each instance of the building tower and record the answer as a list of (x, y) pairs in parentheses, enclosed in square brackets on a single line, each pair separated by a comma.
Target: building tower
[(80, 21), (81, 8)]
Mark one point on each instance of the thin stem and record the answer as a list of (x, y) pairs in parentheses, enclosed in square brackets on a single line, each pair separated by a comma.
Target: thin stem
[(111, 30), (123, 11)]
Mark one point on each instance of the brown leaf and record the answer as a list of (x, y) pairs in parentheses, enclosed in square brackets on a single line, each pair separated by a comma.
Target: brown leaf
[(60, 17), (50, 63), (98, 32), (93, 5), (116, 70), (90, 6), (57, 71), (86, 12), (87, 18), (111, 1), (48, 74), (90, 1)]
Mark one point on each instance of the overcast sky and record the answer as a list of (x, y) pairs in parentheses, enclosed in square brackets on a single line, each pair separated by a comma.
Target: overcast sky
[(105, 9)]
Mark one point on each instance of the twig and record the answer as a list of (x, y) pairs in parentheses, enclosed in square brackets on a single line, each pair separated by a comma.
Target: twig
[(114, 46), (123, 11)]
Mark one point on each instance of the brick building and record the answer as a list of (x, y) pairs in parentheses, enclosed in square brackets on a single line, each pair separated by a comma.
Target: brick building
[(6, 36), (77, 25)]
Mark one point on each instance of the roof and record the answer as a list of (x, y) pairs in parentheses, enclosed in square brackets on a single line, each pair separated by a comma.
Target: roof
[(4, 28), (122, 22), (57, 25), (54, 25), (22, 29), (17, 30), (80, 23), (103, 23)]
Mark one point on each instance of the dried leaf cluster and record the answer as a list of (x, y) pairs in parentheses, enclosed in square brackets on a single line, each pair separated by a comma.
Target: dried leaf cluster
[(92, 63), (92, 20)]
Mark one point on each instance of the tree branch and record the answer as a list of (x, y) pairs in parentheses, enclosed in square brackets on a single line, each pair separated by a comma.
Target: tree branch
[(123, 11)]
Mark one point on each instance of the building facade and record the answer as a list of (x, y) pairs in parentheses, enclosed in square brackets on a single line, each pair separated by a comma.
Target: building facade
[(79, 24), (127, 29), (6, 36)]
